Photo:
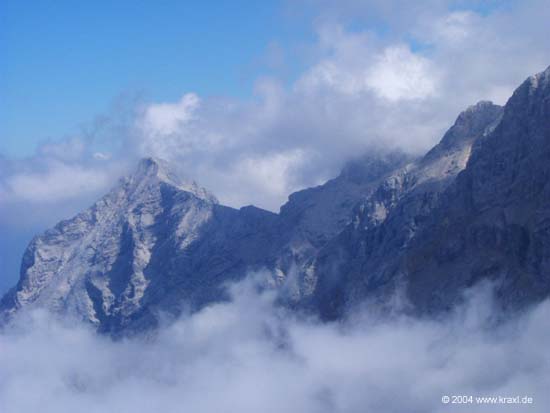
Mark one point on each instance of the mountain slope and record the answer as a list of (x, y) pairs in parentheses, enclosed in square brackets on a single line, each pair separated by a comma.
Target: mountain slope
[(156, 246), (490, 223), (93, 265), (494, 222), (314, 216)]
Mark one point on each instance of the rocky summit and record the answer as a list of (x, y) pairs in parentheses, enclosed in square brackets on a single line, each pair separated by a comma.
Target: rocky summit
[(474, 208)]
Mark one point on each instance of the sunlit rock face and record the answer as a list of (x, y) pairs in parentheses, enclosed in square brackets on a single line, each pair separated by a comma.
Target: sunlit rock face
[(95, 265), (474, 208), (154, 244)]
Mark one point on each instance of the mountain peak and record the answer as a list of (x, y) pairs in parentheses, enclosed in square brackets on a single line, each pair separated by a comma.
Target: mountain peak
[(476, 115), (481, 106), (470, 124), (152, 168), (541, 79), (149, 163), (156, 168)]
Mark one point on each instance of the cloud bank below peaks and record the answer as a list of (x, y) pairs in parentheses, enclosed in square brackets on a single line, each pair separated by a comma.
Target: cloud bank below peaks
[(248, 356)]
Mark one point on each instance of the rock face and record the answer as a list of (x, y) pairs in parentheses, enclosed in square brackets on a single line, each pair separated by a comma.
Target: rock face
[(475, 207), (314, 216), (361, 260), (491, 221), (154, 243), (494, 221)]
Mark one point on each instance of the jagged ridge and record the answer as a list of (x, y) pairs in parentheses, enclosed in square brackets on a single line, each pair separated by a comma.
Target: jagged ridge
[(472, 208)]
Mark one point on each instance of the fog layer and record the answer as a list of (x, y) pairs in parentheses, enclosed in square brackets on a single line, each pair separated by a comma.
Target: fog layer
[(249, 356)]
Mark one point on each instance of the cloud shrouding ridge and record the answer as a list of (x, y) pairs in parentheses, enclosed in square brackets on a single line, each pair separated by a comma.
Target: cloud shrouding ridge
[(248, 356), (364, 88)]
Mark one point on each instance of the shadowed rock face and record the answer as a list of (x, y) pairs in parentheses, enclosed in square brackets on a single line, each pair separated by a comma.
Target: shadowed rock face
[(475, 207), (313, 217), (363, 259), (494, 221), (490, 222)]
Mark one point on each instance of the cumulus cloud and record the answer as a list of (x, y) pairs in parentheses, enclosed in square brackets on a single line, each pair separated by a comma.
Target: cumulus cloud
[(357, 63), (400, 74), (165, 118), (248, 355)]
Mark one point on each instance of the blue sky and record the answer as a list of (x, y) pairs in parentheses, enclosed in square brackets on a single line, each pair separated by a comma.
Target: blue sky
[(65, 61)]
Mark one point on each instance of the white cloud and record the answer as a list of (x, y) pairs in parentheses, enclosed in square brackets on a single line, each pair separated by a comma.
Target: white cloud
[(60, 182), (357, 64), (271, 175), (249, 356), (341, 69), (166, 118), (400, 74)]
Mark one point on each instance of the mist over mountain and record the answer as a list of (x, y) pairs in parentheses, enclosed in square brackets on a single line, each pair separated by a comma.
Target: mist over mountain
[(471, 210), (250, 355), (416, 277), (305, 206)]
